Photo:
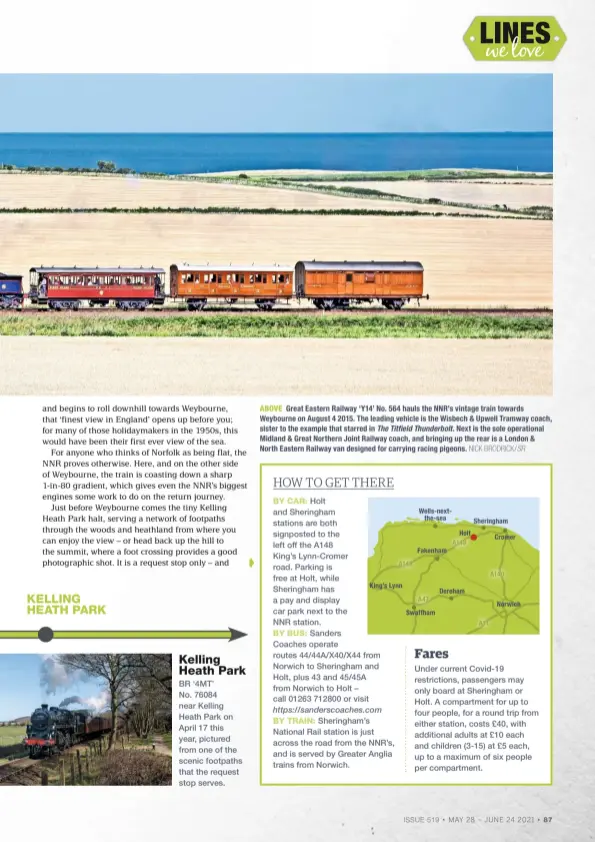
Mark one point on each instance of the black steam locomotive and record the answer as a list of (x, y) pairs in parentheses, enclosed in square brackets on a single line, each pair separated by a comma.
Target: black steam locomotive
[(53, 729)]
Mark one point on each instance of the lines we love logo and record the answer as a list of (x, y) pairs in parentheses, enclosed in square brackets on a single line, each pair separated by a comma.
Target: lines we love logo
[(514, 39)]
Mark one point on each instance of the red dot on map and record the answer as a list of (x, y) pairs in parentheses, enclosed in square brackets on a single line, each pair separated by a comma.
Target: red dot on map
[(474, 537)]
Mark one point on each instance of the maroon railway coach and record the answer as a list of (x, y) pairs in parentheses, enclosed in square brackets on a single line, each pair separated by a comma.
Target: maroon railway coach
[(65, 288)]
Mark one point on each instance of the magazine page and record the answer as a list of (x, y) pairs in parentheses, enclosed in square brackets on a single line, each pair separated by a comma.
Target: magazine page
[(294, 512)]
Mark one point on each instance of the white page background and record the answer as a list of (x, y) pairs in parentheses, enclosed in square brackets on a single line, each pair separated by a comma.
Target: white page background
[(319, 36)]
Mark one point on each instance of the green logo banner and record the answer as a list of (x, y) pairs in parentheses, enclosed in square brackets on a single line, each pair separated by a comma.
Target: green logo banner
[(514, 39)]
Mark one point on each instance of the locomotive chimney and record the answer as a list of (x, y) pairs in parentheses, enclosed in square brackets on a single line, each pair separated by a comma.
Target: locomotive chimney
[(44, 707)]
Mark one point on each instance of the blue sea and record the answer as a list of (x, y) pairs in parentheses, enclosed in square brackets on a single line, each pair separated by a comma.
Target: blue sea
[(204, 153)]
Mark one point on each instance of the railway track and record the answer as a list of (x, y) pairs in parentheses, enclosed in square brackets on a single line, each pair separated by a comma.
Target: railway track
[(13, 769), (89, 312)]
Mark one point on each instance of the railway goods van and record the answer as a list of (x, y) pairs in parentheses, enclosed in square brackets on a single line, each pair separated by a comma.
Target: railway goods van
[(331, 285)]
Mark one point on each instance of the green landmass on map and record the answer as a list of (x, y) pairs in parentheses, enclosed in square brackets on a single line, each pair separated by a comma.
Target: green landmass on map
[(429, 577)]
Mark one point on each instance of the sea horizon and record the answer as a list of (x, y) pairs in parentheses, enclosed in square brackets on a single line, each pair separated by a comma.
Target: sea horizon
[(203, 152)]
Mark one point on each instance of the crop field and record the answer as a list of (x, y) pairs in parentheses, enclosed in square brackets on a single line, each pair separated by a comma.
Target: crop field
[(468, 262), (11, 734), (478, 260), (512, 193), (103, 365), (79, 191)]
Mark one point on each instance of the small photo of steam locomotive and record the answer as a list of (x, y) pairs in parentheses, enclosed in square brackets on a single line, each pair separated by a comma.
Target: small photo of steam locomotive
[(54, 729), (112, 727)]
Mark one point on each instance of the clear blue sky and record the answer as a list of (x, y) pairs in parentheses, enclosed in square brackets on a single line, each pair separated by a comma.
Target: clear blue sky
[(25, 683), (486, 102)]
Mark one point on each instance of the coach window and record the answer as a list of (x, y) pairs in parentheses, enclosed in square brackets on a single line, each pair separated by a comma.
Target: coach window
[(241, 278), (251, 279), (349, 278), (218, 279)]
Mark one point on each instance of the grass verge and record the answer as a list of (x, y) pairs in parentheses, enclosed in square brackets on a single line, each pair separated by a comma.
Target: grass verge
[(288, 326)]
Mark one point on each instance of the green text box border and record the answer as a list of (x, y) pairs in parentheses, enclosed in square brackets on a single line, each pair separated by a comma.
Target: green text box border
[(417, 465)]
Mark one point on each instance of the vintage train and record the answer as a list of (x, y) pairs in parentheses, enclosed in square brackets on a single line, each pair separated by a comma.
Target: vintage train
[(328, 285), (53, 729)]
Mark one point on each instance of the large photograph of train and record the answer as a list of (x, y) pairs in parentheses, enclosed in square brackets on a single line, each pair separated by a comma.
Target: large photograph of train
[(328, 285), (324, 234), (86, 719)]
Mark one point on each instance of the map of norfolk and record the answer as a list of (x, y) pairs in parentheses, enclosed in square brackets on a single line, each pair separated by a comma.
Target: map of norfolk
[(433, 577)]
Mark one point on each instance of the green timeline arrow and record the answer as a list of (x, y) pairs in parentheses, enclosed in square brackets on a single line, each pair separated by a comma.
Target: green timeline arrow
[(46, 634)]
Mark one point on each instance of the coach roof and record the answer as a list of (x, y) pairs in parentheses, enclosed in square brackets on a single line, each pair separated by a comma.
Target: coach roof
[(361, 266), (241, 267), (100, 270)]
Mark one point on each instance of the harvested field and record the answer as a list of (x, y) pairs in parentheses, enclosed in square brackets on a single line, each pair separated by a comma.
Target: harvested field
[(509, 193), (101, 366), (80, 191), (468, 262), (47, 190)]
